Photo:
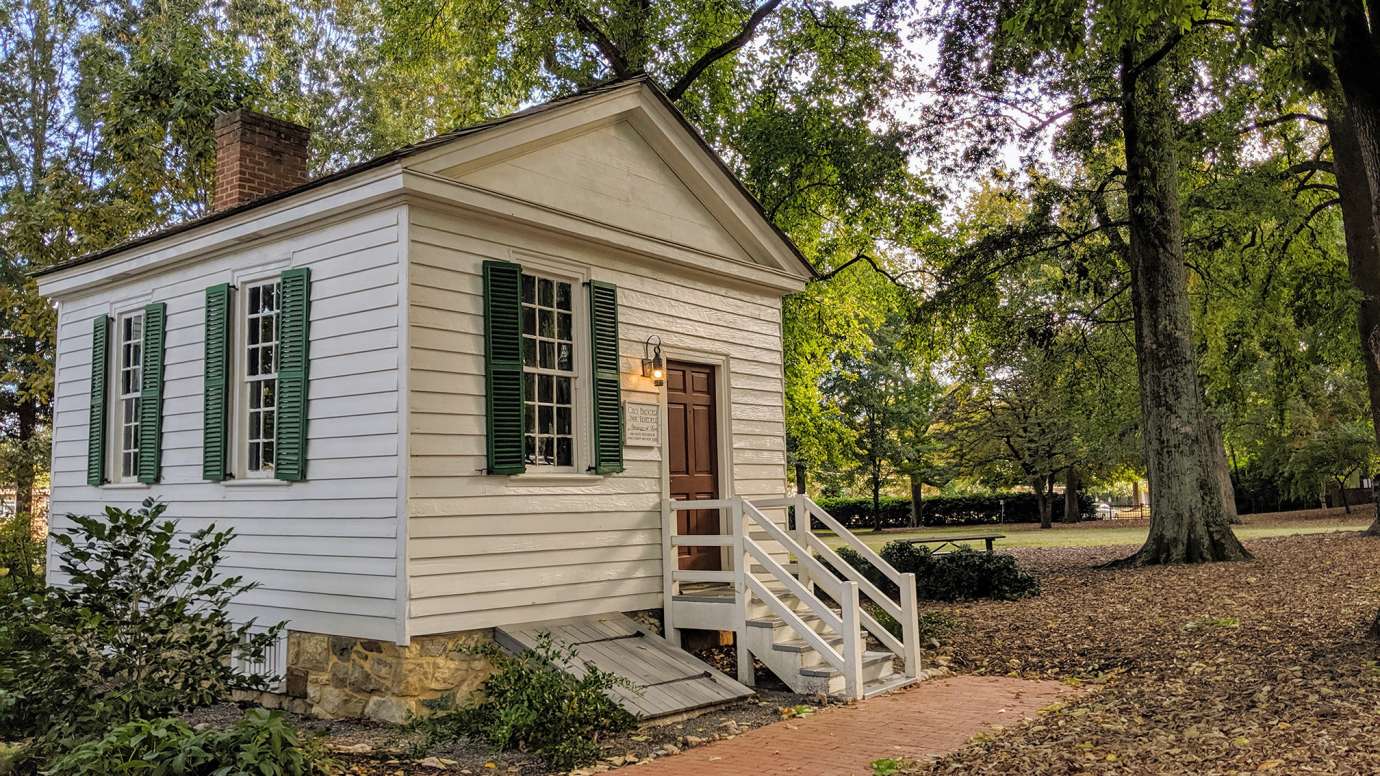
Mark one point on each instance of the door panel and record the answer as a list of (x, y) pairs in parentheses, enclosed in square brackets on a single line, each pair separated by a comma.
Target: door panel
[(693, 458)]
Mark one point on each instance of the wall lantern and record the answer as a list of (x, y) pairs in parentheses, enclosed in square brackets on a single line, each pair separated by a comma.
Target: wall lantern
[(652, 365)]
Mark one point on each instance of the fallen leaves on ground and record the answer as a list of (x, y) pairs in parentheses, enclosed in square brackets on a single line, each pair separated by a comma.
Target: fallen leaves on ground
[(1250, 667)]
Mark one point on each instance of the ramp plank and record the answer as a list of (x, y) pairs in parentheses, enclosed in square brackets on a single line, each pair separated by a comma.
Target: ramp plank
[(664, 679)]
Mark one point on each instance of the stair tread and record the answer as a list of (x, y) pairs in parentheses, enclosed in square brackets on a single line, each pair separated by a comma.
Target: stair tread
[(886, 685), (869, 658), (801, 645)]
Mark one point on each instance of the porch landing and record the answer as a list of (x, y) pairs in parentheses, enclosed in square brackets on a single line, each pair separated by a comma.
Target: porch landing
[(666, 681)]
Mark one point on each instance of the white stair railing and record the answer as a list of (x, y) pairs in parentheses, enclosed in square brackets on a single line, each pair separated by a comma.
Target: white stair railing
[(744, 518), (904, 609)]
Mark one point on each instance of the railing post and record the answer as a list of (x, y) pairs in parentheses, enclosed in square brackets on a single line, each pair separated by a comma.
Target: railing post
[(802, 533), (741, 597), (852, 642), (910, 628), (670, 559)]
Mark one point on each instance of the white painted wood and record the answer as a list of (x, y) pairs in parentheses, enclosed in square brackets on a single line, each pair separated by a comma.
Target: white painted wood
[(325, 552), (490, 549)]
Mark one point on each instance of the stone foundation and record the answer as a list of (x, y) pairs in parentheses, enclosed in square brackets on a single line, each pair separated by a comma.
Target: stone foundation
[(338, 677)]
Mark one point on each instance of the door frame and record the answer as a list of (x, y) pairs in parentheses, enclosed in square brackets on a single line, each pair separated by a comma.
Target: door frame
[(723, 409)]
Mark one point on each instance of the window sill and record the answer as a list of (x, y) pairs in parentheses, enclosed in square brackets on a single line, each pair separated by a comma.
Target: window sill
[(126, 486), (252, 482), (554, 478)]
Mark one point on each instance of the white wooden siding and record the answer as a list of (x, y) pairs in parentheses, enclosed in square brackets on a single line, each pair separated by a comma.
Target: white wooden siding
[(325, 552), (611, 175), (487, 550)]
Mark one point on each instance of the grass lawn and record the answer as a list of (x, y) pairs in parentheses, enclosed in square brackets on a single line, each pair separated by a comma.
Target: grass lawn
[(1120, 532), (1221, 668)]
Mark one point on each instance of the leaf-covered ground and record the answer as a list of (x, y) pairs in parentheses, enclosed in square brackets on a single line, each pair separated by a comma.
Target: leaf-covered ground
[(1225, 668)]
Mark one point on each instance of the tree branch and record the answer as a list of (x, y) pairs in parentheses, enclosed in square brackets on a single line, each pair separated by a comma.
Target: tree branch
[(607, 48), (722, 50), (1283, 119), (862, 257)]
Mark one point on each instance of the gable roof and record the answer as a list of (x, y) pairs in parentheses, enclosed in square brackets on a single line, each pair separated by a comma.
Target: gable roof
[(440, 140)]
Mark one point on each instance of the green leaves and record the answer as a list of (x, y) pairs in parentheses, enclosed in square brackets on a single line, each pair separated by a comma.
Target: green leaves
[(141, 628)]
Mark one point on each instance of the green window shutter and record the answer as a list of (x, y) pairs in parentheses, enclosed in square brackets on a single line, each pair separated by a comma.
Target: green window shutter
[(151, 393), (503, 367), (608, 409), (100, 374), (215, 407), (294, 341)]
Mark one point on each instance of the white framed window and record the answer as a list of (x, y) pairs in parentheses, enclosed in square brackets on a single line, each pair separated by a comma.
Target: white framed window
[(128, 382), (256, 403), (550, 373)]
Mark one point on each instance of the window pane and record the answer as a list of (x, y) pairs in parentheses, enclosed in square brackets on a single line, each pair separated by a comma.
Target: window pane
[(548, 324), (547, 454), (268, 424), (564, 359), (529, 352), (546, 392), (530, 452), (563, 296), (529, 320), (270, 389), (254, 294), (562, 420), (529, 289), (563, 326), (545, 420), (545, 293), (563, 452), (563, 390), (548, 355)]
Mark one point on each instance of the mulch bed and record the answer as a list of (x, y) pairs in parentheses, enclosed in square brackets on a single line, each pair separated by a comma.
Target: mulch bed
[(1265, 665), (364, 748)]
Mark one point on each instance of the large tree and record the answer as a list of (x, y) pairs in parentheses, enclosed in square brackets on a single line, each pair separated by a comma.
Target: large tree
[(1125, 67)]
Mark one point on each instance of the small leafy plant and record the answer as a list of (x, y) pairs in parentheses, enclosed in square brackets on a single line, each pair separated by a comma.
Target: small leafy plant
[(532, 703), (138, 629), (262, 743)]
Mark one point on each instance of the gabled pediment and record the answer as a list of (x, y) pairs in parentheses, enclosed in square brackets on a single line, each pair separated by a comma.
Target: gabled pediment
[(623, 159)]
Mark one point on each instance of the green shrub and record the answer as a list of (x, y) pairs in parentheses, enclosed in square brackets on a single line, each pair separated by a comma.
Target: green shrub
[(138, 630), (1014, 507), (949, 576), (533, 704), (260, 744)]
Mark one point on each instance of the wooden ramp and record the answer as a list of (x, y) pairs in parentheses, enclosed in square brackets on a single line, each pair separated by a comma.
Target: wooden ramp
[(666, 680)]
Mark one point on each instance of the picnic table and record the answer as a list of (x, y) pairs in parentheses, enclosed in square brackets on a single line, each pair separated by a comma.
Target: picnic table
[(952, 541)]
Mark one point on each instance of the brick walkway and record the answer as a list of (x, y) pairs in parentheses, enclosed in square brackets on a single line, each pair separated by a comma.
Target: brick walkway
[(933, 717)]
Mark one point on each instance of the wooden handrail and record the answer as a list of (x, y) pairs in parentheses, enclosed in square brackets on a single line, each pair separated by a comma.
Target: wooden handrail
[(853, 575), (817, 606), (815, 510), (819, 573)]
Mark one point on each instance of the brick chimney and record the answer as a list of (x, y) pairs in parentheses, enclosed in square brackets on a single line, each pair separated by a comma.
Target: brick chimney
[(257, 155)]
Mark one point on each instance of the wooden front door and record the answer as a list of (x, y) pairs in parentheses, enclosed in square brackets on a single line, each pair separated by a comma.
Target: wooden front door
[(693, 436)]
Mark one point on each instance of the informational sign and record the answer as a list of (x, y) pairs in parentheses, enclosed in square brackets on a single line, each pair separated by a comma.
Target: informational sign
[(641, 424)]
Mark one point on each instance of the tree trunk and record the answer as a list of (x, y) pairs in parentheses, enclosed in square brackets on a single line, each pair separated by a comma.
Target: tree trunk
[(1341, 494), (876, 498), (800, 477), (1188, 520), (1363, 259), (1217, 448), (1071, 485), (1046, 500), (26, 427), (917, 501)]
